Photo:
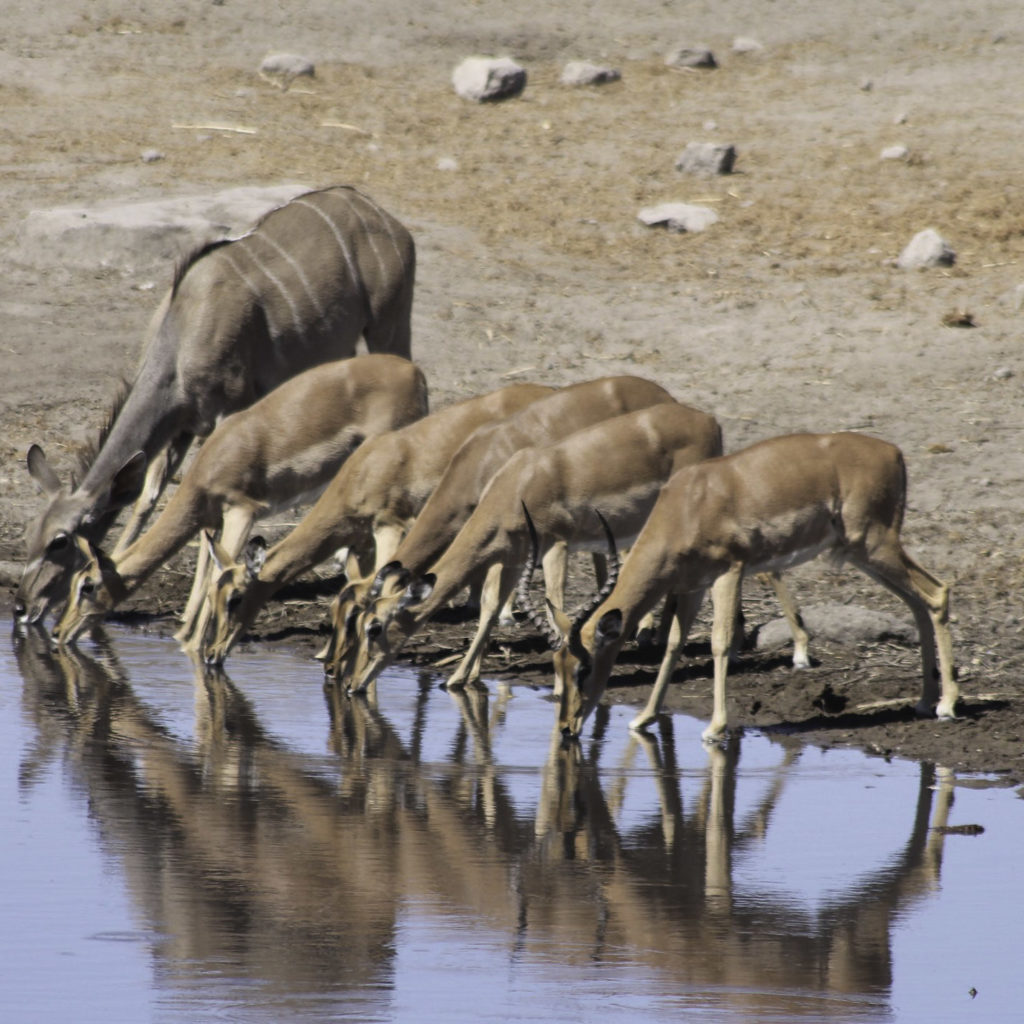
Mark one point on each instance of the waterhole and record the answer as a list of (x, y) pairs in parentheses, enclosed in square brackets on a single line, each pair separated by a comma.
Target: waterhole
[(179, 847)]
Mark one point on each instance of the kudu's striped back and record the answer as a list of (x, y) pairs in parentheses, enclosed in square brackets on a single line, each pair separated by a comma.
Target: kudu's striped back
[(242, 315)]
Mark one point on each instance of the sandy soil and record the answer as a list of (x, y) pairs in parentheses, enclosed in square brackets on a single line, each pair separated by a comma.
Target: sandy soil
[(789, 314)]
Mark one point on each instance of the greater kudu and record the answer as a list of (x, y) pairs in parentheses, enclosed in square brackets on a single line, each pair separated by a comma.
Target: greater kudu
[(242, 316)]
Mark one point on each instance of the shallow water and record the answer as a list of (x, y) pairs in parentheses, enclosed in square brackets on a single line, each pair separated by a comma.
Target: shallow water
[(180, 849)]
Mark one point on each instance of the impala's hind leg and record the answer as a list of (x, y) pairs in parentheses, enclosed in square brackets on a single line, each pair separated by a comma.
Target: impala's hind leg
[(928, 599), (801, 640)]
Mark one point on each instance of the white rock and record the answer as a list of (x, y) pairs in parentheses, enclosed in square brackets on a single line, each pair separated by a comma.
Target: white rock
[(151, 156), (582, 72), (842, 623), (447, 163), (287, 65), (744, 44), (488, 78), (895, 153), (679, 216), (133, 236), (706, 158), (926, 249)]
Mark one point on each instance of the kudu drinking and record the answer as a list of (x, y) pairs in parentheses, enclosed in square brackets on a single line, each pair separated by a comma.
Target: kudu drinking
[(242, 316)]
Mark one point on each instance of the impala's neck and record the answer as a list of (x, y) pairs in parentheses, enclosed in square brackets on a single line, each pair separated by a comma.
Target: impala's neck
[(313, 541), (179, 522)]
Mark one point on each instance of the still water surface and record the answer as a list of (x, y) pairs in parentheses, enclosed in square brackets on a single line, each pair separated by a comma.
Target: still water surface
[(181, 849)]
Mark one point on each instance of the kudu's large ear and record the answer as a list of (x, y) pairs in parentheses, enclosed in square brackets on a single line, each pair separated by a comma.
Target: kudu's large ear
[(128, 480), (41, 471)]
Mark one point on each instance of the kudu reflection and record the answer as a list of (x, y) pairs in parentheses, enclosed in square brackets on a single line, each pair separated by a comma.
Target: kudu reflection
[(296, 869)]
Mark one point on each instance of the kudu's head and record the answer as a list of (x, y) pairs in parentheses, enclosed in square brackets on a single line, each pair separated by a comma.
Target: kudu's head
[(377, 632), (231, 596), (52, 553), (95, 588), (580, 643)]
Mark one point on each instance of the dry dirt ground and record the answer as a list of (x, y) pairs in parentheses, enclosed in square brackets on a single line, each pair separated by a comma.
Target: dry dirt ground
[(789, 314)]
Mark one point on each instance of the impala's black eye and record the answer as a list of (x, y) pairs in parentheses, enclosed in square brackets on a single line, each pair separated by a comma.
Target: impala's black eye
[(87, 588), (374, 628), (58, 544), (233, 602)]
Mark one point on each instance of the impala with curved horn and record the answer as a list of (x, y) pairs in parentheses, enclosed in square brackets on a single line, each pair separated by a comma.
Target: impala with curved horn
[(277, 453), (367, 506), (776, 504), (563, 633), (458, 492), (618, 466), (242, 316)]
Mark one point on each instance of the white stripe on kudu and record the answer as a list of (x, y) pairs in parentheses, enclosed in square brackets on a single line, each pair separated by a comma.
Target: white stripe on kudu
[(299, 273), (225, 253), (338, 237), (276, 281)]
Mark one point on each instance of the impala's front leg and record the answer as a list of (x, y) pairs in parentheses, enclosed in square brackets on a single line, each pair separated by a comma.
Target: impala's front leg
[(685, 611), (499, 583), (725, 596)]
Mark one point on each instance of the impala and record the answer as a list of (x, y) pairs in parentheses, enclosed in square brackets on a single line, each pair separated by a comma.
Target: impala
[(367, 506), (242, 316), (458, 492), (277, 453), (771, 506), (617, 466)]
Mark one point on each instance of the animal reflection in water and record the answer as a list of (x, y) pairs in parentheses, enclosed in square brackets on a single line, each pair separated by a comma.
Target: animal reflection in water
[(247, 856)]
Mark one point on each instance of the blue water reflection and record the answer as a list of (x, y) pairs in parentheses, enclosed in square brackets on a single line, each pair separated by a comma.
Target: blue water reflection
[(185, 847)]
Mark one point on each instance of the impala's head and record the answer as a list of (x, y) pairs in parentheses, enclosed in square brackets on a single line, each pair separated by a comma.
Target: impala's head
[(231, 596), (95, 589), (344, 612), (377, 632), (52, 553)]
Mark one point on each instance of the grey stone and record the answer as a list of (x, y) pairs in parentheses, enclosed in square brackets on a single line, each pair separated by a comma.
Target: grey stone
[(482, 79), (707, 158), (926, 249), (841, 623), (144, 235), (679, 216), (691, 57), (582, 72)]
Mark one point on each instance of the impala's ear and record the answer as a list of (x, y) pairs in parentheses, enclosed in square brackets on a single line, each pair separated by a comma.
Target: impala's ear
[(561, 620), (127, 483), (41, 471), (392, 569), (418, 591), (255, 555), (609, 628)]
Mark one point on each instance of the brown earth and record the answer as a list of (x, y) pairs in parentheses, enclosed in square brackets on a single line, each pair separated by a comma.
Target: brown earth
[(787, 315)]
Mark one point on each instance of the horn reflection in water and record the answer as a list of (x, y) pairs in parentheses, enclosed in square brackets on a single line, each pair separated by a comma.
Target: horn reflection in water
[(291, 852)]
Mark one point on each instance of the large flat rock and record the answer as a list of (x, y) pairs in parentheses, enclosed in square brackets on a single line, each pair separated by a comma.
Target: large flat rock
[(143, 235)]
